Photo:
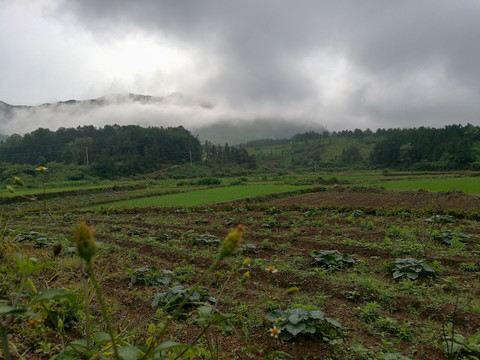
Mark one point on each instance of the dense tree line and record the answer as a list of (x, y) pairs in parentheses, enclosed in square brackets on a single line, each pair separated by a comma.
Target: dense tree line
[(454, 147), (448, 148), (217, 155), (128, 150), (110, 151)]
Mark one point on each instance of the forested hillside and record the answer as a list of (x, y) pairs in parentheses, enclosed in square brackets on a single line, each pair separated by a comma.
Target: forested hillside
[(115, 151), (453, 147), (120, 150)]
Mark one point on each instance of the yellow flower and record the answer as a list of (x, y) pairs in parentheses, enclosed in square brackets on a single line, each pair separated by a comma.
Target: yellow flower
[(274, 332), (41, 169), (247, 261), (85, 241), (271, 269), (18, 181), (245, 277), (231, 242), (10, 189)]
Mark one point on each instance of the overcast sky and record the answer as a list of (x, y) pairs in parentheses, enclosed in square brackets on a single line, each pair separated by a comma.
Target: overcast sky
[(342, 64)]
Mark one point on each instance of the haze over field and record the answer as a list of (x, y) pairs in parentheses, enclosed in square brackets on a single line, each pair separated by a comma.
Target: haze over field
[(343, 65)]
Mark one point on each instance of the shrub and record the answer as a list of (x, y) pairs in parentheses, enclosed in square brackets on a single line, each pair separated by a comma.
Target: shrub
[(209, 181), (300, 321)]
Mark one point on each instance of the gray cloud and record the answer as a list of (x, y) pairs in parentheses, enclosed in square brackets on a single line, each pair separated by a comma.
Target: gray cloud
[(343, 64)]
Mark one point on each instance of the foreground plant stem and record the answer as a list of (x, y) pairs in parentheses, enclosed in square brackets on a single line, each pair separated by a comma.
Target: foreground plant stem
[(180, 307), (87, 308), (4, 336), (103, 308)]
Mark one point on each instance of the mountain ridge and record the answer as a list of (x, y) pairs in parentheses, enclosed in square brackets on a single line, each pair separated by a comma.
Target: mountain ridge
[(219, 131)]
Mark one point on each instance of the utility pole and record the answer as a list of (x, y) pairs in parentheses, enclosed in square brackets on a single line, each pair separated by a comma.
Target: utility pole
[(86, 150), (190, 152)]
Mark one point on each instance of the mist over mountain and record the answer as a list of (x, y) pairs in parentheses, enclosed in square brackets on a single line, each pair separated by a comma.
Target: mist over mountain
[(242, 132), (214, 122)]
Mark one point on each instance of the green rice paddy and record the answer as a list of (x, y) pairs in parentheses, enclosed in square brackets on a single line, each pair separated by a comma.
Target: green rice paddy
[(205, 196)]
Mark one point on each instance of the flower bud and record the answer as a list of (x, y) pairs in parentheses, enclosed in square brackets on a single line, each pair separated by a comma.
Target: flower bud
[(85, 241), (231, 242), (10, 189), (245, 277)]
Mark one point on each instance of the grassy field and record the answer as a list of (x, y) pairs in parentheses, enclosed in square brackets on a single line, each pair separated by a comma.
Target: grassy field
[(205, 196), (469, 185)]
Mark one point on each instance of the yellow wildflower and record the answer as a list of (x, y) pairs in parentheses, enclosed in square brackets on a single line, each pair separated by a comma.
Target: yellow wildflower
[(10, 189), (245, 277), (247, 261), (271, 269), (18, 181), (41, 169), (274, 332)]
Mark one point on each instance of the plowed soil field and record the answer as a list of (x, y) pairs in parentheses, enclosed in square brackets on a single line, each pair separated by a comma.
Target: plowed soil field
[(381, 318)]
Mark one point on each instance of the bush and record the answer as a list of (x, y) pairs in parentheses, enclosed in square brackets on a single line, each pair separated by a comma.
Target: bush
[(209, 181)]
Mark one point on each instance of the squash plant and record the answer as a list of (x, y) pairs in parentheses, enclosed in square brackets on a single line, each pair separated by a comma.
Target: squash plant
[(331, 259), (150, 276), (301, 321), (170, 299), (410, 268)]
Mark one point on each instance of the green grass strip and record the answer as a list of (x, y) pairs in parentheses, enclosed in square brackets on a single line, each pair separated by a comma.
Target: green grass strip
[(470, 185), (203, 197)]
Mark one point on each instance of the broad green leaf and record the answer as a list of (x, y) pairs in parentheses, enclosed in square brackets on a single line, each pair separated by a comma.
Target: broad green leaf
[(6, 309), (317, 314), (54, 294), (297, 315), (101, 337), (128, 353), (333, 322), (66, 355), (205, 311), (170, 345), (296, 329), (276, 314)]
